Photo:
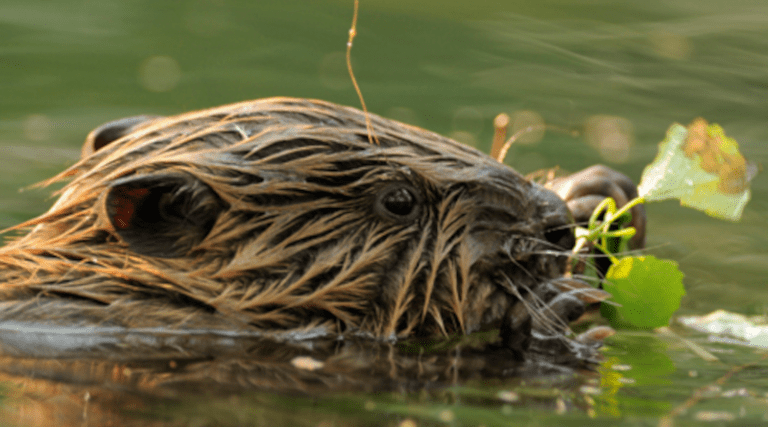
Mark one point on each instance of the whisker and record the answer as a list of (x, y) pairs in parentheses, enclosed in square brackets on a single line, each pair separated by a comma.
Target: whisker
[(538, 309)]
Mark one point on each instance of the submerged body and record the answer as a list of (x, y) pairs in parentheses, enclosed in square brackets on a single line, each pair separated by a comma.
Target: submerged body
[(280, 215)]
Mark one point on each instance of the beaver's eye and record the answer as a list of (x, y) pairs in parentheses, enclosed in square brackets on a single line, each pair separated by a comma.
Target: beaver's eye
[(398, 201)]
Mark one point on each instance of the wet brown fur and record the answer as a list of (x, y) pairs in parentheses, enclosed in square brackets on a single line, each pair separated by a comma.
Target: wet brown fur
[(290, 191)]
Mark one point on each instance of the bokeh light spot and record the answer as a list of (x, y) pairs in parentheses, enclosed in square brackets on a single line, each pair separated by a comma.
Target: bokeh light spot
[(159, 73)]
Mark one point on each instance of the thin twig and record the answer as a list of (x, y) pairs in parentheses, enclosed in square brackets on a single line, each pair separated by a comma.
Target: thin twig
[(352, 33), (500, 125)]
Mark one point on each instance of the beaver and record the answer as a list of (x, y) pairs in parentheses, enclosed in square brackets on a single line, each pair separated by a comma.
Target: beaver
[(280, 215)]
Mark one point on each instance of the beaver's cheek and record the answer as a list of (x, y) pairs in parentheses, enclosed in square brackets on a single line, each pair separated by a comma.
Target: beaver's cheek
[(486, 247), (487, 308)]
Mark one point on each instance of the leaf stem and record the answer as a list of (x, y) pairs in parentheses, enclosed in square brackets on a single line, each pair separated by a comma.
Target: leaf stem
[(599, 231)]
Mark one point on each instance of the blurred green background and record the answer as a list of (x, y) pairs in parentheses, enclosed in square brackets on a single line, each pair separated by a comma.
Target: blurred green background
[(619, 71)]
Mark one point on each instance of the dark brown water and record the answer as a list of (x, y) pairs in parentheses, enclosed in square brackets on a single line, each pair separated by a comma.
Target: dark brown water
[(618, 72)]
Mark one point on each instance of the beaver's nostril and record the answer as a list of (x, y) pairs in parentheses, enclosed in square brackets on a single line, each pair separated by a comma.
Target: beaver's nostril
[(561, 236)]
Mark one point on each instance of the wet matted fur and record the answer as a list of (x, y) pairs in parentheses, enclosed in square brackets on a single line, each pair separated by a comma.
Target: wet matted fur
[(279, 214)]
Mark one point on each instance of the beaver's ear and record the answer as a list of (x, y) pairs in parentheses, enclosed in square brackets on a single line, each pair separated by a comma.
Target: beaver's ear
[(112, 131), (163, 215)]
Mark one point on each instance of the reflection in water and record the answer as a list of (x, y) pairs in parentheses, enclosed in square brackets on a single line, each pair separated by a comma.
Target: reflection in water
[(68, 375)]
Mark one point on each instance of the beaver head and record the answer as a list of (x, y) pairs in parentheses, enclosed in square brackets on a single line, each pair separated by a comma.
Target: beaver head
[(279, 214)]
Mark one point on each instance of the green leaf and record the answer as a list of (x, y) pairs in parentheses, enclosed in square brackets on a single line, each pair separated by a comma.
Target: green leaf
[(702, 168), (648, 290)]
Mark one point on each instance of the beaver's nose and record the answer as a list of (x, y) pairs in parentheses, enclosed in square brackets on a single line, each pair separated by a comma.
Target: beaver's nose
[(556, 218)]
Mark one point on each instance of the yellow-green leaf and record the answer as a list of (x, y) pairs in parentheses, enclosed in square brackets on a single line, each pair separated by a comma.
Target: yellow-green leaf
[(647, 289), (701, 167)]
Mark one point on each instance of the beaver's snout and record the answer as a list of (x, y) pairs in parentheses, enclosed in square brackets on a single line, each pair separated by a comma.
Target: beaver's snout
[(556, 219)]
